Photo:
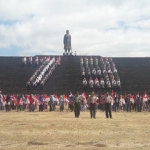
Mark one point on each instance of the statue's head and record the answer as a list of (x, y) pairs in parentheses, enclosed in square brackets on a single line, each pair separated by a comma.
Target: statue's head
[(67, 31)]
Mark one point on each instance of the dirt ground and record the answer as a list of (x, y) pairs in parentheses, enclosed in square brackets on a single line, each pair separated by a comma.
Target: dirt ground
[(62, 131)]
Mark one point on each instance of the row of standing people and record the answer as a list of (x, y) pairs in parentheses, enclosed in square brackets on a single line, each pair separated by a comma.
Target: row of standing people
[(31, 102)]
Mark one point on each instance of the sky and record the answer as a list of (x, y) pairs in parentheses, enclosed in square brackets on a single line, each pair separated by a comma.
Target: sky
[(114, 28)]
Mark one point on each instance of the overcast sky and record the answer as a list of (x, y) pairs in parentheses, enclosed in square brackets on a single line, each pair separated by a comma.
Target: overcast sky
[(115, 28)]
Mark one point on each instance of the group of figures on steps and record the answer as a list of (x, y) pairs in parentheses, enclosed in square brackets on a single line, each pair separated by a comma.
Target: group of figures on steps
[(99, 73), (43, 73)]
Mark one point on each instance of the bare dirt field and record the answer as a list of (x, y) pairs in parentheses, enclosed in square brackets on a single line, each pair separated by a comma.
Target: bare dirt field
[(61, 131)]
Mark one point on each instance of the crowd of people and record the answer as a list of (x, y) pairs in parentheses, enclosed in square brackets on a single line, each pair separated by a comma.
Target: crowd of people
[(79, 102), (101, 72), (43, 73)]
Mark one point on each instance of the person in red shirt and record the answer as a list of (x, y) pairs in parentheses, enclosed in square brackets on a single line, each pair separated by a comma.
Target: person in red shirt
[(31, 103)]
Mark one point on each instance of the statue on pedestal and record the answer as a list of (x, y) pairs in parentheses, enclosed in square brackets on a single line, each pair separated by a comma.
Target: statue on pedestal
[(67, 43)]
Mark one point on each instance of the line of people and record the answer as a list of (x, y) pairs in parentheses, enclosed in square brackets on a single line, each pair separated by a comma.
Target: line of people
[(43, 73), (76, 103), (46, 102), (32, 61), (103, 69)]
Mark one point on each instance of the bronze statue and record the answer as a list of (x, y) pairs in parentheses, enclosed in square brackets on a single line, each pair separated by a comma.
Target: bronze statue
[(67, 42)]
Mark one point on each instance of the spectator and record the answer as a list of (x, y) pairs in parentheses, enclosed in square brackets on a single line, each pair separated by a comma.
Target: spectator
[(61, 103), (77, 105), (108, 100), (92, 101), (1, 101)]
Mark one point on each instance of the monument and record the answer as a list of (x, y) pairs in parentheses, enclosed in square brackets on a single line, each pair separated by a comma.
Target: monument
[(67, 43)]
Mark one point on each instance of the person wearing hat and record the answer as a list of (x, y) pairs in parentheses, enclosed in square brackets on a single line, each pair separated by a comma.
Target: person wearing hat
[(77, 105), (108, 100), (92, 102)]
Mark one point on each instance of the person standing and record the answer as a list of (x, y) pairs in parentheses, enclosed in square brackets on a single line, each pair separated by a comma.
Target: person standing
[(92, 102), (127, 99), (71, 99), (51, 103), (41, 102), (117, 102), (148, 102), (77, 105), (139, 103), (108, 100), (8, 103), (1, 101), (31, 103), (19, 103), (61, 103)]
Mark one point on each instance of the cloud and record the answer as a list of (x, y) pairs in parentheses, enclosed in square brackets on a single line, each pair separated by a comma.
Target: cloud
[(107, 28)]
